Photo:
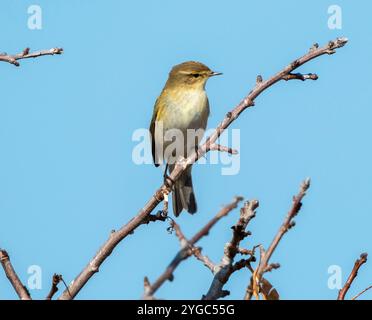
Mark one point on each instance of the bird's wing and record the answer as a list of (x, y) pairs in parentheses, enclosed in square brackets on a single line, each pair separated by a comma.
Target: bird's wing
[(152, 131)]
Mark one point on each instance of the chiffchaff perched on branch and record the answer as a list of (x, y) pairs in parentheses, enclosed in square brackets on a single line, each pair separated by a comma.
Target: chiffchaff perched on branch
[(178, 123)]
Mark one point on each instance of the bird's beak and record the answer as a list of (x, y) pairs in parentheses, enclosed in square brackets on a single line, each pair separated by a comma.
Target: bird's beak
[(212, 74)]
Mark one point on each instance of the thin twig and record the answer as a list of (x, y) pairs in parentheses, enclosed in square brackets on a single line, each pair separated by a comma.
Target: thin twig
[(116, 237), (360, 293), (12, 276), (57, 278), (196, 251), (288, 223), (186, 244), (25, 54), (181, 237), (218, 147), (184, 253), (358, 263)]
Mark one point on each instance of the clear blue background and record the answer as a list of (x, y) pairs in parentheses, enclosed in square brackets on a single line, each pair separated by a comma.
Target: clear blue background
[(66, 173)]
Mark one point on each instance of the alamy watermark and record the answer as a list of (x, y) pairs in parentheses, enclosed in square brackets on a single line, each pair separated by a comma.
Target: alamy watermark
[(35, 17), (335, 17), (335, 278), (172, 145), (34, 281)]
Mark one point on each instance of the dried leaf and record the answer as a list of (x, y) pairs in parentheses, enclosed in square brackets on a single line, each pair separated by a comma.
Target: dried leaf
[(268, 291)]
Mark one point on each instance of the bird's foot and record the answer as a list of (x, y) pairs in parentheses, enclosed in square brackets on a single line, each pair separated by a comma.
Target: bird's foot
[(168, 181)]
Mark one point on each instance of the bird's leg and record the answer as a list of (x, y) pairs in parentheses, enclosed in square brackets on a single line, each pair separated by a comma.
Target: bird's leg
[(168, 181), (165, 171), (196, 148)]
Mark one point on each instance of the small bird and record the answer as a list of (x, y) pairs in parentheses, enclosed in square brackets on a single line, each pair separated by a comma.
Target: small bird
[(182, 106)]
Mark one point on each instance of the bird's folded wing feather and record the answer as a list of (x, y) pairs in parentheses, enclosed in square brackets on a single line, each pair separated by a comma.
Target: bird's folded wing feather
[(152, 132)]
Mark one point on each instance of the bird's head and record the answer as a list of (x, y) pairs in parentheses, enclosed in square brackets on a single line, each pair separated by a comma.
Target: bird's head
[(191, 74)]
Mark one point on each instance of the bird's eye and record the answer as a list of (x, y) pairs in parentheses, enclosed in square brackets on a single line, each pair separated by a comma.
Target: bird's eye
[(196, 75)]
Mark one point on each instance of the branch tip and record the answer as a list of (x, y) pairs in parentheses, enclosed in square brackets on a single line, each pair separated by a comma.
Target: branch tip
[(354, 272), (26, 54), (12, 276)]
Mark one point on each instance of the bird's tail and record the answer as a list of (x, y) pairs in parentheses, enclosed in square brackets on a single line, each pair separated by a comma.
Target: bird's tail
[(183, 194)]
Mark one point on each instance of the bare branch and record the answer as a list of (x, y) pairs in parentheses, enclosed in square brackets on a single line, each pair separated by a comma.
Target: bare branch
[(12, 276), (204, 259), (186, 244), (57, 278), (244, 251), (222, 213), (243, 263), (226, 267), (25, 54), (358, 263), (288, 223), (184, 253), (248, 101)]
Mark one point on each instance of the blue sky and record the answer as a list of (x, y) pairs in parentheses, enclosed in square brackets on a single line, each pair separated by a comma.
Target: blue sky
[(66, 173)]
